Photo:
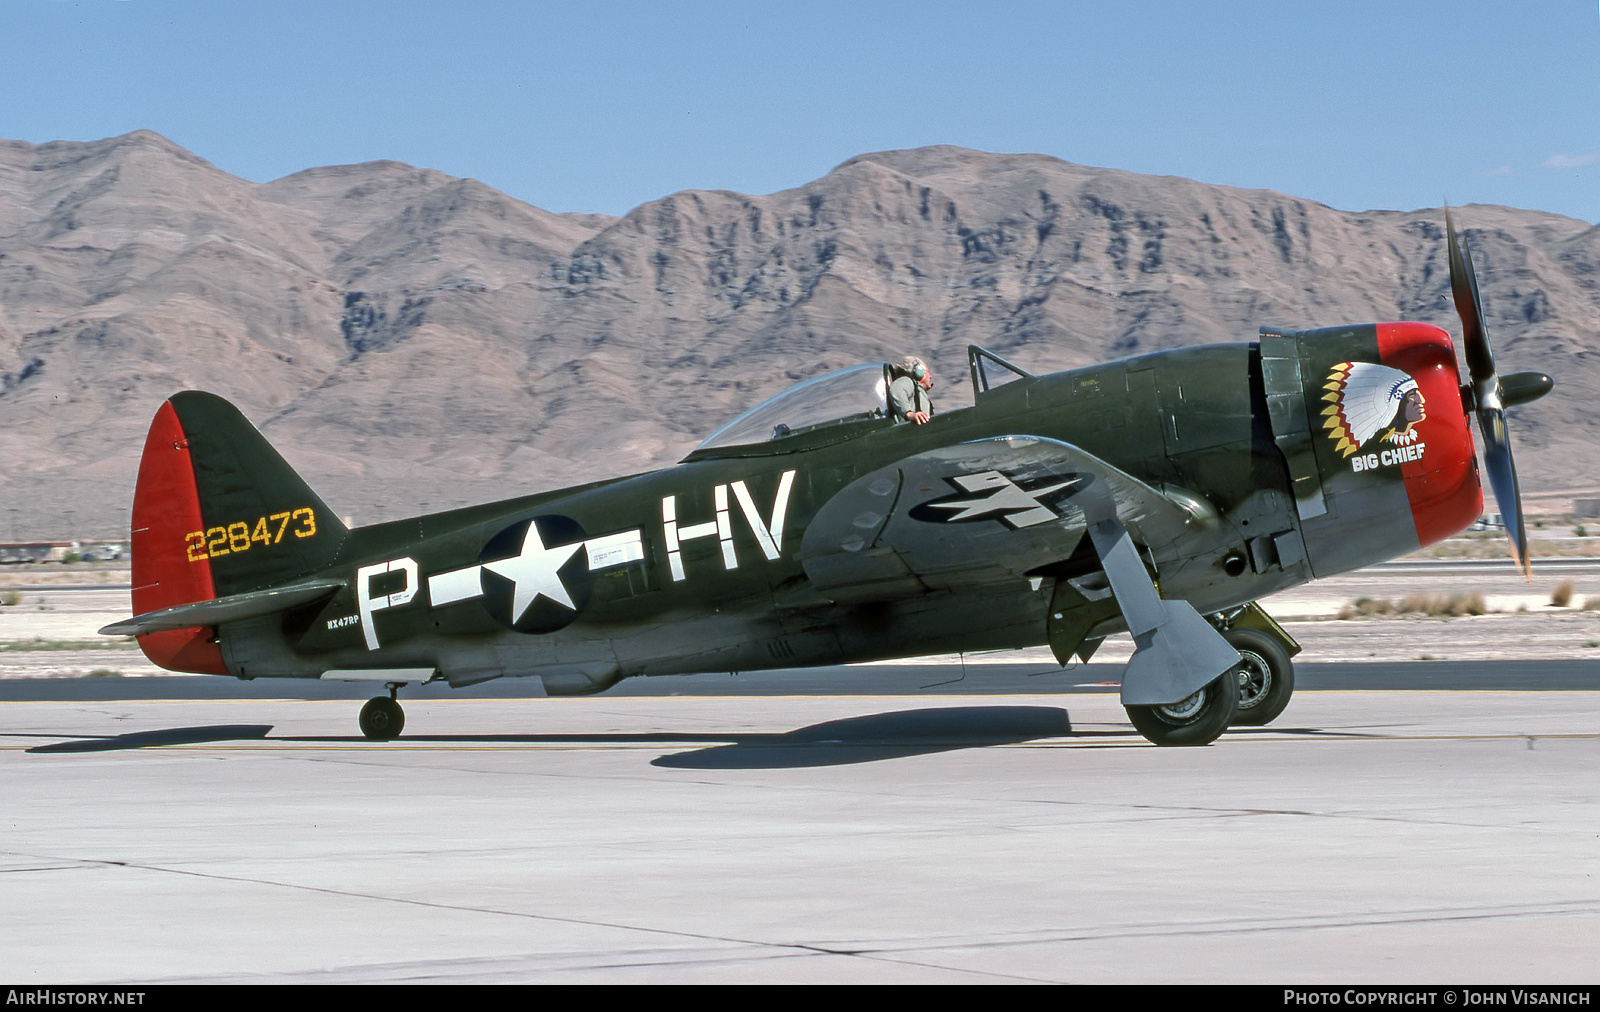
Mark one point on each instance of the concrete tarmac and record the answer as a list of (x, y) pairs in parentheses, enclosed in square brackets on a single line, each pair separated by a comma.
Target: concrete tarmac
[(1367, 837)]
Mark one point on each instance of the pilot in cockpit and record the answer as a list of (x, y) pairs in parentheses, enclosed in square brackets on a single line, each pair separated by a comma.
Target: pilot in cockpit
[(910, 381)]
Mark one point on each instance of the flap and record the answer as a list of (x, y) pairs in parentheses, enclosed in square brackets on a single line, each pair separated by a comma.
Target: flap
[(982, 512)]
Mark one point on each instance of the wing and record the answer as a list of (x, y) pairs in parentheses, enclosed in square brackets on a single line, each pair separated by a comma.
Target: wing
[(982, 512)]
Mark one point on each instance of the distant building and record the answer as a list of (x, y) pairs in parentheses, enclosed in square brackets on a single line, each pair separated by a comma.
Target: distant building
[(102, 551), (36, 551), (1488, 522)]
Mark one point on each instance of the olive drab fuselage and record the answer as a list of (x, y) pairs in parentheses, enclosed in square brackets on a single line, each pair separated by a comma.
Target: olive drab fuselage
[(704, 566)]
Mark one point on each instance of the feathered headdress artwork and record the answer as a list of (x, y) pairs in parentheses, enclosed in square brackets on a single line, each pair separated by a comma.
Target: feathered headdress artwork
[(1363, 398)]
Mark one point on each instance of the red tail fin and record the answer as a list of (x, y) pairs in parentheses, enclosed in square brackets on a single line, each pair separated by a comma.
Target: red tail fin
[(166, 508)]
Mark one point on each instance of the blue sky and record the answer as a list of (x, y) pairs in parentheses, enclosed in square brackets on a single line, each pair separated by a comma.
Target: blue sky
[(600, 106)]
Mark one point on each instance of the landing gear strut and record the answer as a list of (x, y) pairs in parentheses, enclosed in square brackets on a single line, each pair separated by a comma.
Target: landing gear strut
[(382, 718)]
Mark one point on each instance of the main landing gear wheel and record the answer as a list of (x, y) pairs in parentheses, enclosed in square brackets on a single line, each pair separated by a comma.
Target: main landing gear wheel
[(382, 719), (1266, 676), (1195, 720)]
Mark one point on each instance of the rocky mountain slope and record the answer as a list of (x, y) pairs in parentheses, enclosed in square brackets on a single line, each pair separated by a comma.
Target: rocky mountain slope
[(412, 341)]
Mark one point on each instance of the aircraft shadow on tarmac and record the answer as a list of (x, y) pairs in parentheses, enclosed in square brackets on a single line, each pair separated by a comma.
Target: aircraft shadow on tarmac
[(904, 733), (835, 742), (166, 736), (850, 740), (880, 736)]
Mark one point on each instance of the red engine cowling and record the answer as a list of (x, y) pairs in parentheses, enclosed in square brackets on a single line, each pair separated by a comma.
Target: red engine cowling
[(1441, 482), (1385, 462)]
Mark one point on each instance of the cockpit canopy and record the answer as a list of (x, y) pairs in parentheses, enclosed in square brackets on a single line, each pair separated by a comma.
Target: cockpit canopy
[(855, 393)]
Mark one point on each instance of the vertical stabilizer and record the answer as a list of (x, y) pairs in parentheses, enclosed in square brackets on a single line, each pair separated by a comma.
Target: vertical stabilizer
[(216, 512)]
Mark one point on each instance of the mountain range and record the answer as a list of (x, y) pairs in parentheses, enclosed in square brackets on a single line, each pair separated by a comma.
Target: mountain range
[(413, 341)]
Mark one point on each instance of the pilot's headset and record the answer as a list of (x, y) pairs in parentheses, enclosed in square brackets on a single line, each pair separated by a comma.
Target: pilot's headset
[(909, 366), (918, 370)]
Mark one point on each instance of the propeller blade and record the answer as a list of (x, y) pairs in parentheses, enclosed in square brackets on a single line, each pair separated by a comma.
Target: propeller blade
[(1486, 395), (1503, 479), (1469, 306)]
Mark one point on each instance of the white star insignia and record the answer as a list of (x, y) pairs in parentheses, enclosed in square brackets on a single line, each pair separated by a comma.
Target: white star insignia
[(534, 573), (1016, 507)]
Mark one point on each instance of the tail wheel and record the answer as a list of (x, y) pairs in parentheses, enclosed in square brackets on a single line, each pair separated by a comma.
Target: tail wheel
[(1195, 720), (382, 719), (1265, 675)]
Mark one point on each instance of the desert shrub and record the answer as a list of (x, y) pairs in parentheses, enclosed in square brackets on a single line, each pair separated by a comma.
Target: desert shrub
[(1421, 604), (1562, 595), (1467, 604), (1438, 605), (1365, 607)]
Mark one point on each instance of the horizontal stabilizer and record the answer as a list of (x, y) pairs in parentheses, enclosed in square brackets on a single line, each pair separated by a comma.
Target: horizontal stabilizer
[(224, 609)]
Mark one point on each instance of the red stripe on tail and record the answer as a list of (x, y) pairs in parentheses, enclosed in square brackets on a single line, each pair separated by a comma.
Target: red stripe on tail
[(166, 511)]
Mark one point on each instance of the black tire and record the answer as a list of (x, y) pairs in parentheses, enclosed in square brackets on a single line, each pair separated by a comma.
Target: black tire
[(1197, 720), (1266, 676), (382, 719)]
